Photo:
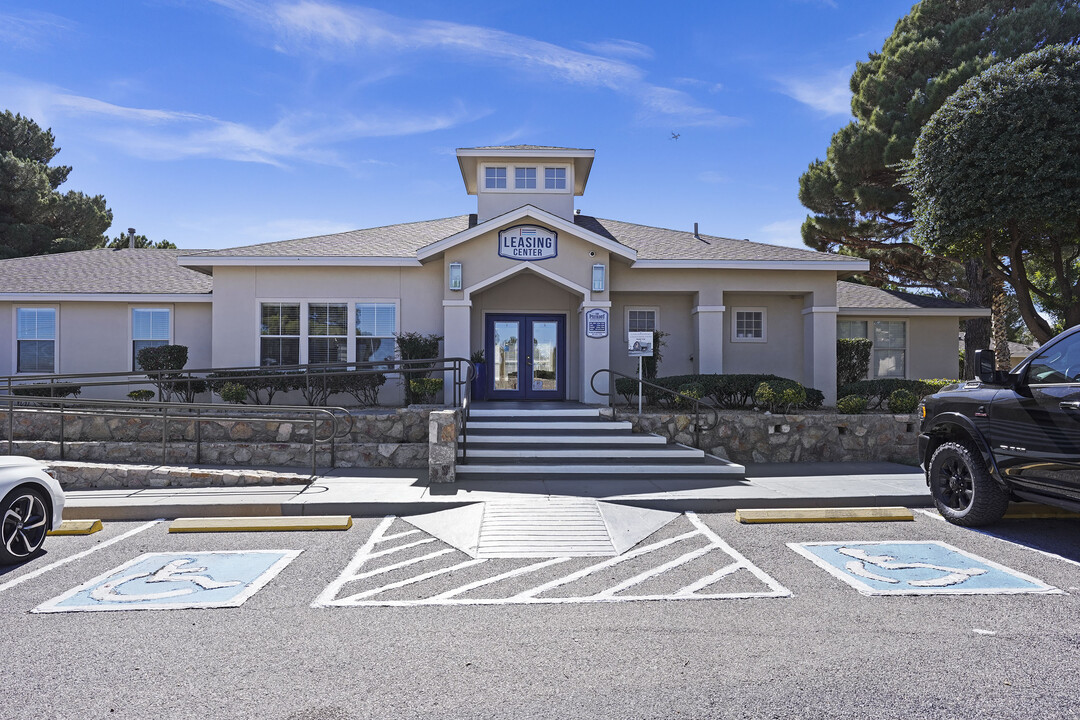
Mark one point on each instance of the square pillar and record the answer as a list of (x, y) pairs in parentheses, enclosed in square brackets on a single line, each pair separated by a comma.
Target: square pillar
[(709, 338), (819, 350), (595, 355), (457, 333)]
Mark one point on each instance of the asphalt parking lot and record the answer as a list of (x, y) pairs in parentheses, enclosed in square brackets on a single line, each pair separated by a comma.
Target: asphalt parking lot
[(707, 617)]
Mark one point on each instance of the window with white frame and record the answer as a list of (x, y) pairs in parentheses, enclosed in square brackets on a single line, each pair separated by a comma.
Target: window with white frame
[(524, 178), (554, 178), (328, 332), (642, 319), (35, 334), (890, 348), (279, 334), (376, 327), (150, 327), (495, 178), (749, 325)]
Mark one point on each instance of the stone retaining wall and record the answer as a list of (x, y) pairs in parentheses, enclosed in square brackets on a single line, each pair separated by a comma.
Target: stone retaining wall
[(753, 437), (100, 476)]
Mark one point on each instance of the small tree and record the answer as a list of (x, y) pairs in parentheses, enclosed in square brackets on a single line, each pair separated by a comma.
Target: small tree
[(416, 346), (852, 359), (163, 365)]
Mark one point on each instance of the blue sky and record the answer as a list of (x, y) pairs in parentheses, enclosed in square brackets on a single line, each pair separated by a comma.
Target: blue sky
[(215, 123)]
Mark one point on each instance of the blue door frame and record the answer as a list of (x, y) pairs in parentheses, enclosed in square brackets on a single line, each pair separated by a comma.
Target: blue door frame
[(522, 368)]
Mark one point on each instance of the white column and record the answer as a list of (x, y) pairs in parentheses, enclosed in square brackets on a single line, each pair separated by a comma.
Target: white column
[(709, 329), (819, 350), (457, 315), (595, 355)]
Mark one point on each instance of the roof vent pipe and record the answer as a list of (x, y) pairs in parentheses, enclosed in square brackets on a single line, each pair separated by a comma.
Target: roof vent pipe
[(131, 238), (695, 231)]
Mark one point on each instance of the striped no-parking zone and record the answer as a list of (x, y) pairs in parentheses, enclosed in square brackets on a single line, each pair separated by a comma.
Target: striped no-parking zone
[(399, 565)]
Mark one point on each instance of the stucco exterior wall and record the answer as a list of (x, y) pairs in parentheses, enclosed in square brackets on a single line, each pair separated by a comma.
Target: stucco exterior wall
[(932, 348), (673, 317), (782, 352)]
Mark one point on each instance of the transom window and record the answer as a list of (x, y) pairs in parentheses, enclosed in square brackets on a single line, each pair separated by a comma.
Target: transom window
[(279, 334), (36, 340), (554, 178), (748, 325), (495, 178), (328, 332), (525, 178), (850, 329), (641, 319), (376, 326), (150, 327)]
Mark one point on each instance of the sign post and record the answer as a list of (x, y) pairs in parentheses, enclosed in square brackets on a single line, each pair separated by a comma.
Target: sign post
[(640, 345)]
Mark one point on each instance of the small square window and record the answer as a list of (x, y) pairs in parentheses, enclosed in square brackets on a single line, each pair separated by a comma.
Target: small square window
[(495, 178), (641, 319), (525, 178), (554, 178), (748, 325)]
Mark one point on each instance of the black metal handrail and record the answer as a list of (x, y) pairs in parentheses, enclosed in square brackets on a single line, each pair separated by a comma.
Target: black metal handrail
[(196, 412), (697, 402)]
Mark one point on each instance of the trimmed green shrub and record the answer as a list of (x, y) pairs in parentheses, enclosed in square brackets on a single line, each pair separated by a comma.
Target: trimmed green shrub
[(425, 390), (233, 392), (365, 388), (693, 390), (416, 346), (730, 392), (779, 395), (48, 390), (902, 401), (257, 382), (162, 365), (877, 392), (851, 405), (852, 359), (141, 395)]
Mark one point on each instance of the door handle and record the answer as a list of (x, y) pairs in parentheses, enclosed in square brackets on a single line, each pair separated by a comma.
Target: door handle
[(528, 359), (1069, 405)]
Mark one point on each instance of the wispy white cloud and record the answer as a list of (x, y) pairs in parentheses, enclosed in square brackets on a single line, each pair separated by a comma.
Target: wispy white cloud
[(620, 48), (159, 134), (782, 232), (713, 87), (713, 177), (338, 33), (828, 93), (30, 30)]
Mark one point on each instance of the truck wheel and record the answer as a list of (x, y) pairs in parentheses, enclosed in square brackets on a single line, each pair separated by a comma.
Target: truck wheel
[(962, 488)]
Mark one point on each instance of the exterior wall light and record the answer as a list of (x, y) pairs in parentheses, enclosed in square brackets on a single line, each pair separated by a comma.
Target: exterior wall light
[(598, 272), (455, 276)]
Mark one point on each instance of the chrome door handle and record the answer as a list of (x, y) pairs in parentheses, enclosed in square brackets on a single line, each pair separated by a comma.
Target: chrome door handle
[(1069, 405), (528, 359)]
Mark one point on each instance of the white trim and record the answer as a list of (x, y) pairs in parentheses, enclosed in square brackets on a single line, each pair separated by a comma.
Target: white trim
[(874, 349), (511, 187), (594, 304), (820, 309), (457, 303), (917, 312), (707, 309), (755, 264), (131, 327), (106, 297), (529, 266), (15, 339), (764, 324), (525, 152), (312, 260), (512, 216)]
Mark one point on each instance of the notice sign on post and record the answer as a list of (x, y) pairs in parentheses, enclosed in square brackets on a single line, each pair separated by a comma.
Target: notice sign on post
[(640, 344)]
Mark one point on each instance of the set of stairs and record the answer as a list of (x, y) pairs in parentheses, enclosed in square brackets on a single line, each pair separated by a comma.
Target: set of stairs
[(553, 442)]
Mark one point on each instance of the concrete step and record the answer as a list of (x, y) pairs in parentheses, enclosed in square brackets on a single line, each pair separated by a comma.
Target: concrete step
[(630, 454), (530, 413), (600, 439), (516, 425), (708, 467)]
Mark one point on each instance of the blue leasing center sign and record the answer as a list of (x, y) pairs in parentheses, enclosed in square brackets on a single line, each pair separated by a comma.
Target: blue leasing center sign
[(916, 568), (173, 581), (528, 242)]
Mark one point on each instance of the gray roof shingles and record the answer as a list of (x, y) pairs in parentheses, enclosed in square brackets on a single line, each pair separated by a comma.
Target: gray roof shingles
[(853, 295), (103, 271)]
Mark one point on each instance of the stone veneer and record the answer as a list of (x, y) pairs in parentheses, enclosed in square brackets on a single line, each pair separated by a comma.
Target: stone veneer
[(442, 446), (754, 437)]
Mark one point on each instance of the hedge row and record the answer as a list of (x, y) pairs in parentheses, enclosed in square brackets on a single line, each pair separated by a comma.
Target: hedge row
[(729, 392), (877, 392), (316, 386)]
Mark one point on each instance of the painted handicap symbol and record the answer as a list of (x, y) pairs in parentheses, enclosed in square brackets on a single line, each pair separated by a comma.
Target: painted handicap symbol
[(916, 568), (857, 566), (172, 581)]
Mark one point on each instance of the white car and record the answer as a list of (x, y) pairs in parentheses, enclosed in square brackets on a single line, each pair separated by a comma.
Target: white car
[(32, 505)]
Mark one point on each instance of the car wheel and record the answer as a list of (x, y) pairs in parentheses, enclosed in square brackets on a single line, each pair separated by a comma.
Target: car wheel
[(24, 522), (962, 488)]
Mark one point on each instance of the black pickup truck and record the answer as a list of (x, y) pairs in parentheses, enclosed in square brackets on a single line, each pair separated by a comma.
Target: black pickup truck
[(1008, 436)]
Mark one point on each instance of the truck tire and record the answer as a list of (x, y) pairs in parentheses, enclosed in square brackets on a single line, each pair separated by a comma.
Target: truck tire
[(963, 491)]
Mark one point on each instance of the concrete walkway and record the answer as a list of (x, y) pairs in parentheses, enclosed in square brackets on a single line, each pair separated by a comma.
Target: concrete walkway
[(375, 493)]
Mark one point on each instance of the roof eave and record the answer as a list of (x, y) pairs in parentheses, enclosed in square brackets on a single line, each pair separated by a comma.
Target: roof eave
[(959, 313), (305, 260), (704, 263)]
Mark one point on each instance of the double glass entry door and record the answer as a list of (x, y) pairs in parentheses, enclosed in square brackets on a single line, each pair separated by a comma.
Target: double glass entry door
[(526, 357)]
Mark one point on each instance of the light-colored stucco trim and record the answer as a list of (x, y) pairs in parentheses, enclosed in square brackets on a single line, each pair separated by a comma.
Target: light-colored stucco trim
[(530, 211), (195, 261), (708, 309), (918, 312), (820, 309), (754, 265), (529, 267), (105, 297)]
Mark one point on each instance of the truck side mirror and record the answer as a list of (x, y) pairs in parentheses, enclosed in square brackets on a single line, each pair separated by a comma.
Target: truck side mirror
[(986, 366)]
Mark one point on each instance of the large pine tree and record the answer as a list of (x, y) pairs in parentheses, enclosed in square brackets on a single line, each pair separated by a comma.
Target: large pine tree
[(35, 217)]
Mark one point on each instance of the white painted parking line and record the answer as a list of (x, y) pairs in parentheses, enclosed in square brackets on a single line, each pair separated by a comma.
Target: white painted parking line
[(77, 556), (909, 567), (175, 581), (937, 516), (697, 545)]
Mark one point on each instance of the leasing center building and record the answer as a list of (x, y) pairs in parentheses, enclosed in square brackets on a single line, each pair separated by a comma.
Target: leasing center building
[(551, 295)]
